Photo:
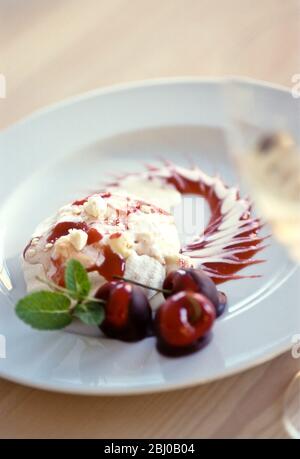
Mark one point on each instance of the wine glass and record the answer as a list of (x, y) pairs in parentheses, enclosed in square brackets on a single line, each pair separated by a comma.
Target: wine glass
[(263, 132), (291, 407)]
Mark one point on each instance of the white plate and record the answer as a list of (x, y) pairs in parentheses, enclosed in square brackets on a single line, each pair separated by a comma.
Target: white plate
[(64, 152)]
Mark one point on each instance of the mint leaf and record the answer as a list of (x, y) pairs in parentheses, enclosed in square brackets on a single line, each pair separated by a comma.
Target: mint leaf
[(90, 313), (45, 310), (76, 280)]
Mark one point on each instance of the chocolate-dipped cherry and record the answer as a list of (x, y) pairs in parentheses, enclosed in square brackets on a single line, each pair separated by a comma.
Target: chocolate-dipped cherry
[(193, 280), (127, 311), (183, 319)]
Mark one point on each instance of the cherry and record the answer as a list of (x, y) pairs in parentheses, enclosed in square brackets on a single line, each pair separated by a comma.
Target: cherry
[(222, 303), (193, 280), (127, 311), (183, 319), (188, 279)]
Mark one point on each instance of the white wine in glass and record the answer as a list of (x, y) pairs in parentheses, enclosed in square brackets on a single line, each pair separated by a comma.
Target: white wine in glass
[(263, 130), (272, 172)]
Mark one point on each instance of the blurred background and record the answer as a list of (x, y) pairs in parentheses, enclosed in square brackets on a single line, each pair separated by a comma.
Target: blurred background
[(52, 49)]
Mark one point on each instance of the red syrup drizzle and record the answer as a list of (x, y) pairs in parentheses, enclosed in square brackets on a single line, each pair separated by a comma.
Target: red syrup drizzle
[(59, 276), (113, 265), (244, 245), (63, 228), (80, 202), (93, 236), (239, 253)]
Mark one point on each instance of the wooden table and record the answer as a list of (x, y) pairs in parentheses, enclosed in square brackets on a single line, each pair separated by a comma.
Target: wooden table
[(52, 49)]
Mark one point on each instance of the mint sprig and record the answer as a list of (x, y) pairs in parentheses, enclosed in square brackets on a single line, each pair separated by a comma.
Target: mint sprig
[(45, 310), (55, 309), (76, 280), (89, 313)]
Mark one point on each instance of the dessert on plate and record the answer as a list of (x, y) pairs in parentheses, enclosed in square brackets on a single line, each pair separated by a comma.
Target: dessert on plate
[(124, 238), (110, 235)]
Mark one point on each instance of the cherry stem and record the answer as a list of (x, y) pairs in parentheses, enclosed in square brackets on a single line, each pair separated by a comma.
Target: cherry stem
[(159, 290), (68, 292)]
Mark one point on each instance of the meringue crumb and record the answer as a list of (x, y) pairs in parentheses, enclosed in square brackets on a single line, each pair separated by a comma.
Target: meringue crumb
[(70, 209), (48, 245), (62, 247), (122, 244), (95, 206), (146, 209), (77, 210), (78, 238)]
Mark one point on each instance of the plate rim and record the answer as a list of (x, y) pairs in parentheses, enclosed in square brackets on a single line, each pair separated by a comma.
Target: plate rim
[(136, 84), (146, 389), (170, 386)]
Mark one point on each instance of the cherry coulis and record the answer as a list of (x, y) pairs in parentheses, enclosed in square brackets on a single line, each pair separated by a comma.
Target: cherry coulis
[(246, 244)]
